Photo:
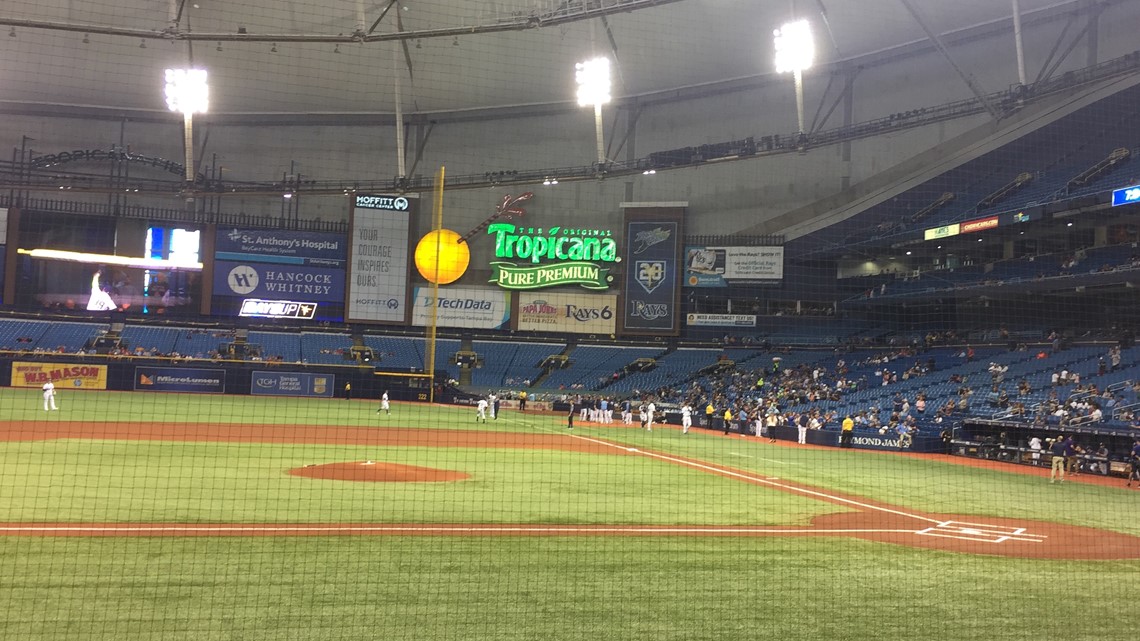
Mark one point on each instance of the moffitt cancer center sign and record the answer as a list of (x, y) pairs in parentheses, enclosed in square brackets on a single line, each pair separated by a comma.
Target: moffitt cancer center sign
[(572, 254)]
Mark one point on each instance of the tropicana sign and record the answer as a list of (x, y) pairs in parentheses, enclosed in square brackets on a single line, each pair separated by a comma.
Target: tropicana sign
[(577, 251)]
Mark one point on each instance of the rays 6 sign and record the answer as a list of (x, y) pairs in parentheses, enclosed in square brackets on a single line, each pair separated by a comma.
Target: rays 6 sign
[(557, 256), (567, 313)]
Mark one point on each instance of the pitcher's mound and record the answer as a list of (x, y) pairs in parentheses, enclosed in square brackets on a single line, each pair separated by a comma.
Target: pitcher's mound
[(377, 472)]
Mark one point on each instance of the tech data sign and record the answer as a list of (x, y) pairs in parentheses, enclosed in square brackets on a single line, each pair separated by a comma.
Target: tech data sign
[(557, 256), (463, 307)]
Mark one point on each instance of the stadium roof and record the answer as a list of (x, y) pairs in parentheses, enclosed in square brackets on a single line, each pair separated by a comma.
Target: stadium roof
[(344, 56)]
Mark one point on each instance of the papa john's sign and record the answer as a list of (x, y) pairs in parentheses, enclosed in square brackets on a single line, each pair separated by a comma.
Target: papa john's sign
[(557, 256)]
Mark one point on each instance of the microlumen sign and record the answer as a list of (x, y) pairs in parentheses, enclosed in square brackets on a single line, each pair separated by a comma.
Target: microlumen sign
[(575, 254)]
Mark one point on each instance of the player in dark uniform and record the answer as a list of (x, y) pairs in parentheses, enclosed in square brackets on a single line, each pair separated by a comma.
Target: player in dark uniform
[(570, 416), (1134, 459)]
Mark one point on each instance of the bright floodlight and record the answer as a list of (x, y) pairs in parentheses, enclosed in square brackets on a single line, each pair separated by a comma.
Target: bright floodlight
[(593, 78), (795, 50), (187, 91)]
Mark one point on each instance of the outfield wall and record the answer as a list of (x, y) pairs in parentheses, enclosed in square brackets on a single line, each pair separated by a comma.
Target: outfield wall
[(196, 376)]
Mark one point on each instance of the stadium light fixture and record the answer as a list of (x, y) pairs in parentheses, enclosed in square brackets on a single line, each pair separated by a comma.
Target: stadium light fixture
[(187, 93), (795, 52), (593, 78)]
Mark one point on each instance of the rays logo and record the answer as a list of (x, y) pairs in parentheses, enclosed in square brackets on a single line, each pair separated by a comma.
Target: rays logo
[(649, 311), (650, 274), (643, 240)]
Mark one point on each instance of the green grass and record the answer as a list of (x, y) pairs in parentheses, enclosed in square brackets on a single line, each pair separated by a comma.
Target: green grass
[(515, 588), (77, 480), (933, 485), (576, 588)]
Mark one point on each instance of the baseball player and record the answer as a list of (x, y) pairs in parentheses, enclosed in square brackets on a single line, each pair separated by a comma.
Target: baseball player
[(686, 418), (384, 406), (481, 410), (49, 396), (493, 405), (1134, 462), (649, 410)]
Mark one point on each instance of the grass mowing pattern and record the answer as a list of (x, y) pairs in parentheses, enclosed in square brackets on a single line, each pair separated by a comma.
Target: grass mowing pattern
[(452, 587), (177, 482), (446, 588)]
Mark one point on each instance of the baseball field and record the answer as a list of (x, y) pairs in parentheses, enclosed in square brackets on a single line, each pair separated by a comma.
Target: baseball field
[(176, 516)]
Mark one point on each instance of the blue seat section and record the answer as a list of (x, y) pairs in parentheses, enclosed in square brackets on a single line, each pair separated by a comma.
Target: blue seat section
[(672, 368), (1052, 156), (872, 397), (325, 349), (148, 337), (21, 334), (445, 349), (510, 364), (277, 344), (1092, 261), (201, 342), (593, 366), (70, 337), (396, 352)]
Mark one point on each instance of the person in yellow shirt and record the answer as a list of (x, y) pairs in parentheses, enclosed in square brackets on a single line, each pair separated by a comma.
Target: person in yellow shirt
[(727, 418), (847, 433), (522, 401)]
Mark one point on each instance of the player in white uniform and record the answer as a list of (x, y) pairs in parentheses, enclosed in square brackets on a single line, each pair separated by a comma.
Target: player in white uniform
[(481, 410), (49, 396), (649, 410), (686, 418), (491, 404), (384, 406)]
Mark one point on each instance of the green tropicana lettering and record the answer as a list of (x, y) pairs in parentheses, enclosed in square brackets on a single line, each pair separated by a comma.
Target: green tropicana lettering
[(510, 243)]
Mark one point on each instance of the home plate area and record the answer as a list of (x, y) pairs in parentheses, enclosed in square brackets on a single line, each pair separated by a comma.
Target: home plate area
[(982, 532)]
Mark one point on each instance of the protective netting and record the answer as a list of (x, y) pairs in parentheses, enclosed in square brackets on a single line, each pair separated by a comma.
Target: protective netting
[(674, 367)]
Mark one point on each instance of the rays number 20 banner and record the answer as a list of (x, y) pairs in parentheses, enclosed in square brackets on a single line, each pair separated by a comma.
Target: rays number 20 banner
[(651, 285)]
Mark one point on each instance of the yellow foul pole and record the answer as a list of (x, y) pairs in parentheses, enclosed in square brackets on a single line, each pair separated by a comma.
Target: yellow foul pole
[(436, 226)]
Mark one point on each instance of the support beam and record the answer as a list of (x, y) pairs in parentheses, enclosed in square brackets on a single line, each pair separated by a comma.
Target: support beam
[(1068, 50), (630, 125), (1056, 45), (966, 77), (423, 136), (1092, 40), (1018, 43), (383, 13), (614, 50)]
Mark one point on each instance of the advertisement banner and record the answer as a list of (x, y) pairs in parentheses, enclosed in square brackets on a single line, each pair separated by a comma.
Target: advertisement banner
[(721, 266), (651, 271), (721, 320), (292, 384), (945, 231), (180, 379), (63, 375), (378, 268), (283, 247), (1018, 217), (277, 282), (1126, 196), (465, 307), (568, 313), (981, 224)]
